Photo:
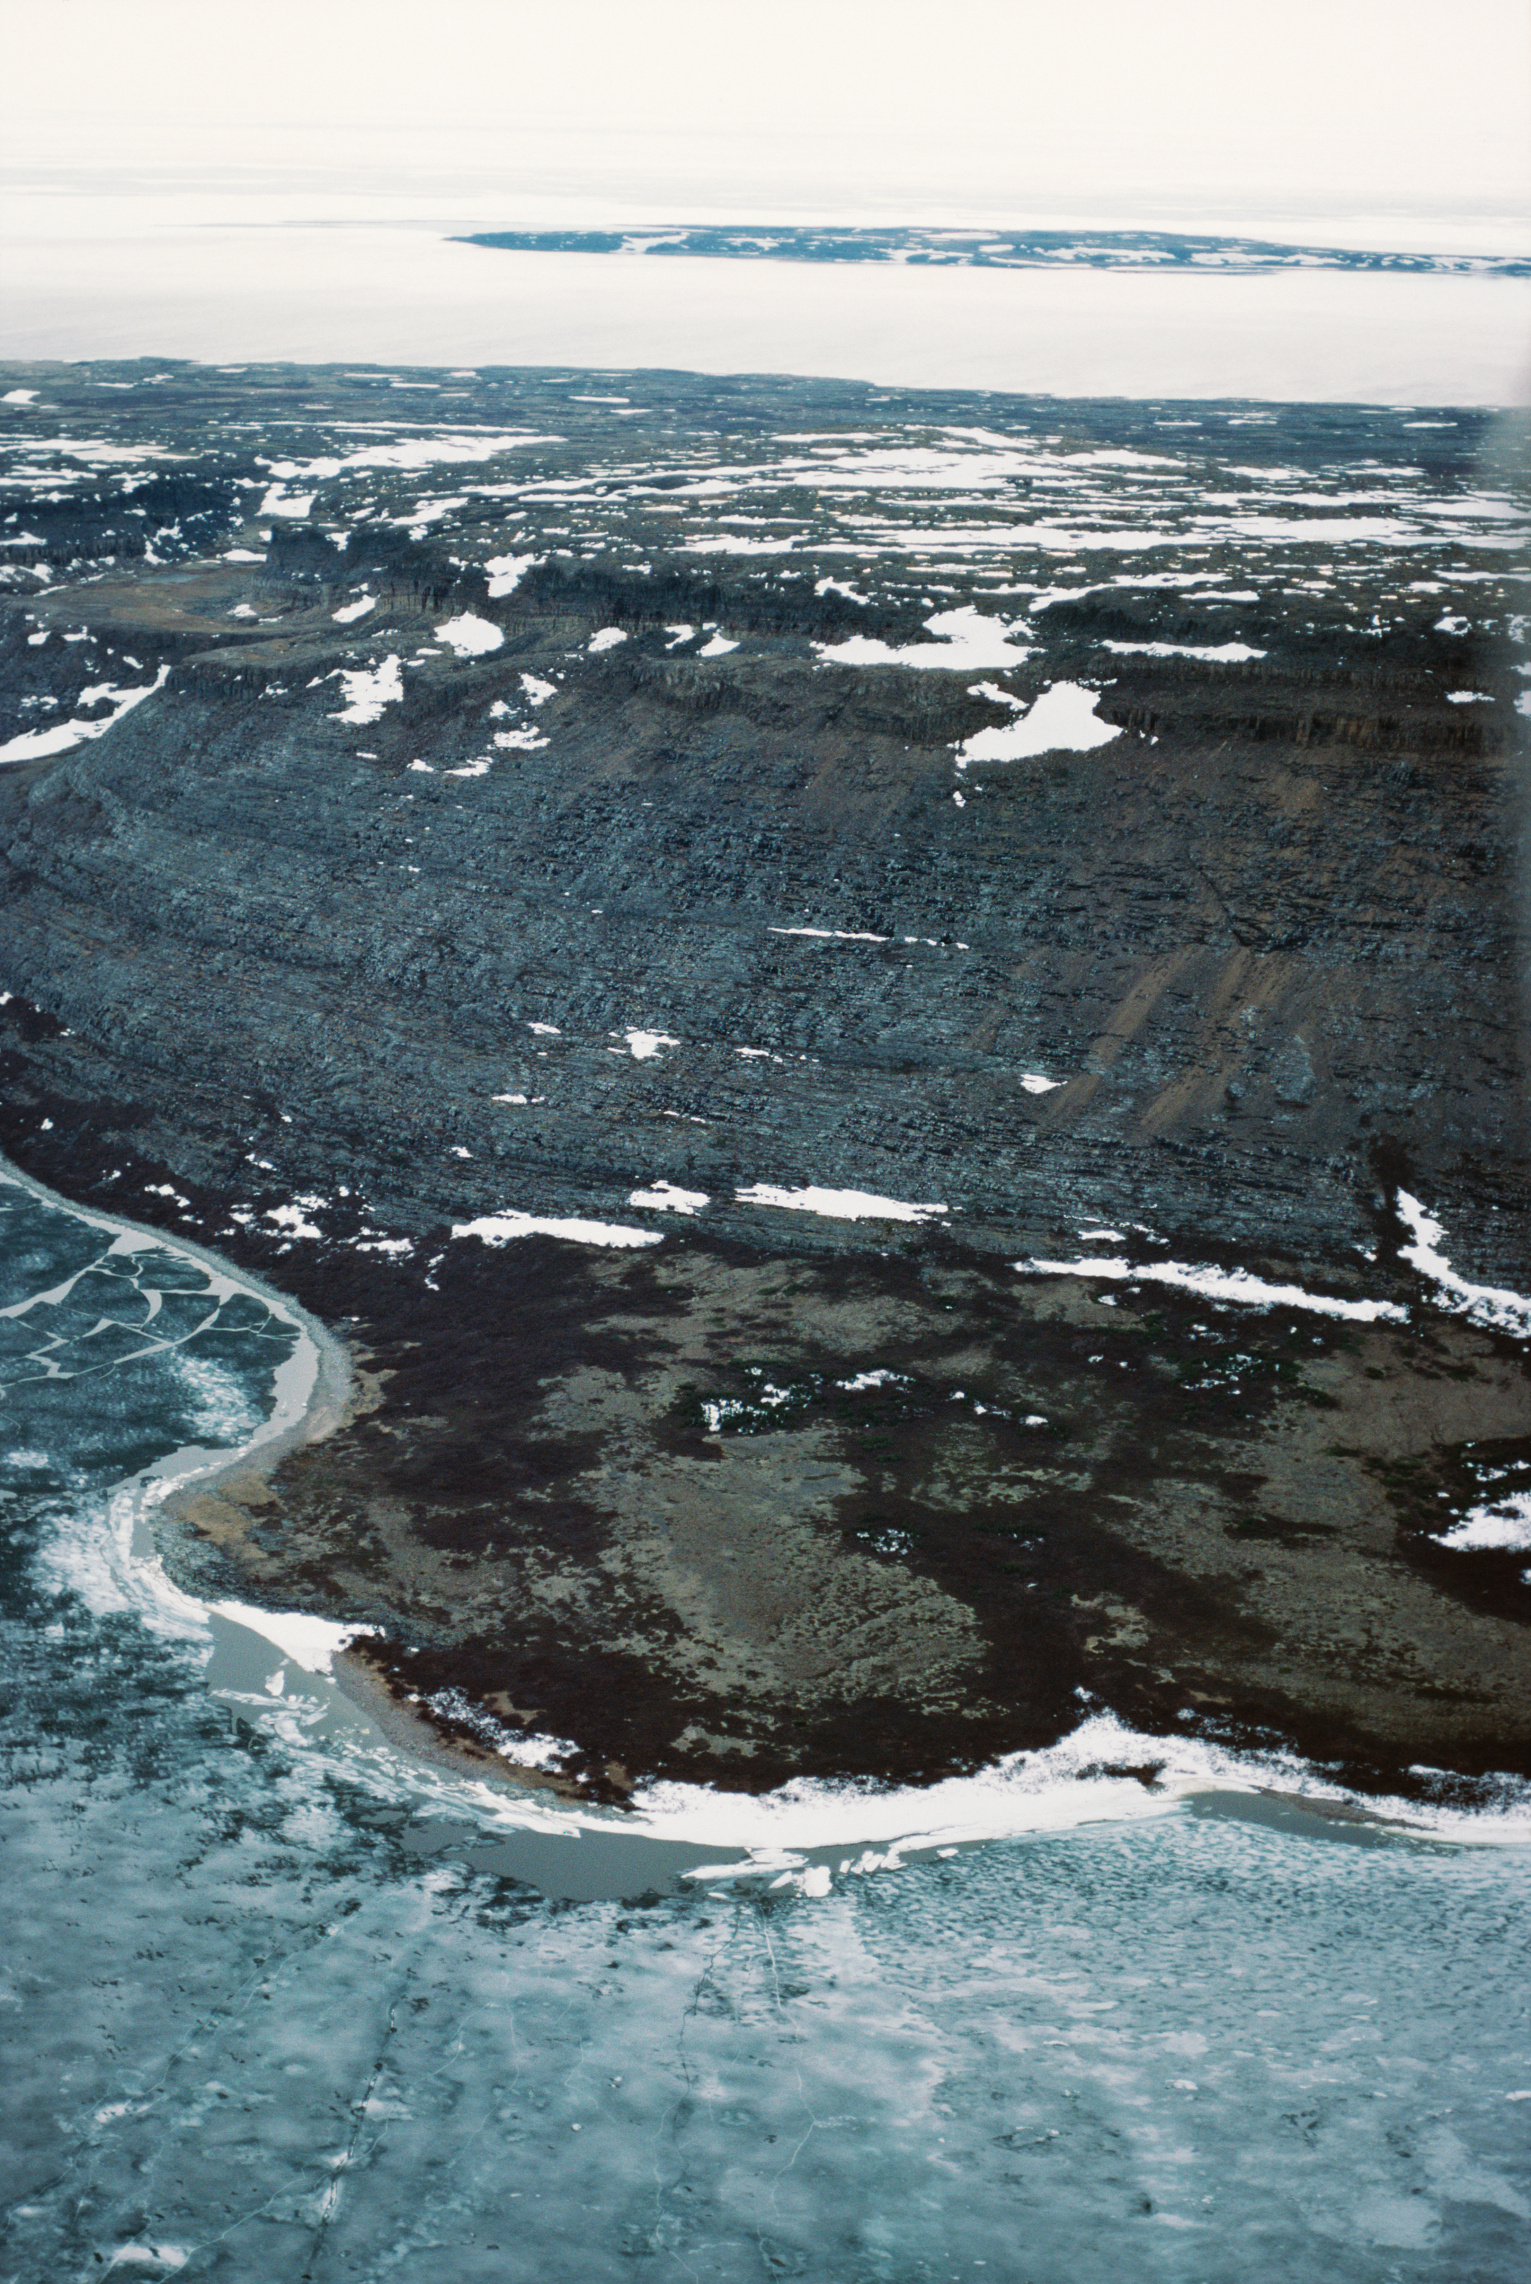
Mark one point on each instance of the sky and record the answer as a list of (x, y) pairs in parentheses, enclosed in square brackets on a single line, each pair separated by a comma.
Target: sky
[(1384, 115)]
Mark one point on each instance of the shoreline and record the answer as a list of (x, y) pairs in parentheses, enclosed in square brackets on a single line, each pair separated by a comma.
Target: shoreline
[(332, 1389), (1078, 1784)]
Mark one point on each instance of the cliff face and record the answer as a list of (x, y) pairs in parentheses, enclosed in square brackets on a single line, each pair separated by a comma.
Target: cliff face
[(559, 808), (1238, 960)]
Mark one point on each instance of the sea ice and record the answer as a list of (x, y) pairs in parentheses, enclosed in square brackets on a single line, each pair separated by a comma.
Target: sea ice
[(308, 1642)]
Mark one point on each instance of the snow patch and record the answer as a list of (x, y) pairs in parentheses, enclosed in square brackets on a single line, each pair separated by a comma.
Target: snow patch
[(969, 641), (838, 1205), (34, 745), (834, 935), (1062, 720), (506, 573), (1235, 1285), (1504, 1527), (471, 637), (1229, 652), (1484, 1304), (503, 1228), (309, 1642), (368, 689), (666, 1197)]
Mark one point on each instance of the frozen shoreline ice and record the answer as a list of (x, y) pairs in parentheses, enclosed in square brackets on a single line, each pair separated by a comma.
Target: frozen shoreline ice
[(1088, 1776)]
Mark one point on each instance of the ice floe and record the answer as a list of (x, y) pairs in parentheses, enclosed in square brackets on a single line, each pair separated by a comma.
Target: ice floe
[(738, 543)]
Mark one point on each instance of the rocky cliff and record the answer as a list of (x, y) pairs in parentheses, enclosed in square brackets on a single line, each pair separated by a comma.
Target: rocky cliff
[(671, 805)]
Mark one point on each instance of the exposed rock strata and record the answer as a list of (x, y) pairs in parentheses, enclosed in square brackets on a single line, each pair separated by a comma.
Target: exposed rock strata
[(1264, 947)]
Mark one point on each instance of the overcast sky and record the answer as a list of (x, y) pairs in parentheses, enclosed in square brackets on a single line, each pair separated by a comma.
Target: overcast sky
[(527, 110)]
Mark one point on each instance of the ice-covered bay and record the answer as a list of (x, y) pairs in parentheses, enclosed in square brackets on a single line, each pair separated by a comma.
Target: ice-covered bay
[(92, 277)]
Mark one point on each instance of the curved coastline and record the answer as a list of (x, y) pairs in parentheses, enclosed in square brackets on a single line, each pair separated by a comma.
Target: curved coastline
[(332, 1384), (1100, 1773)]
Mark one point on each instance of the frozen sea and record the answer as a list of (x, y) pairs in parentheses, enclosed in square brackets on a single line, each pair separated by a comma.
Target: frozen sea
[(279, 2007), (144, 273)]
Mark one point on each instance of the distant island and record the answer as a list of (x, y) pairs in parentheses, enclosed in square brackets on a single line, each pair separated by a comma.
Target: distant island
[(994, 249)]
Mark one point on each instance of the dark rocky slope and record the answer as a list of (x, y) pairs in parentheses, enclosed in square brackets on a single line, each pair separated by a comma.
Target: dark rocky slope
[(592, 903)]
